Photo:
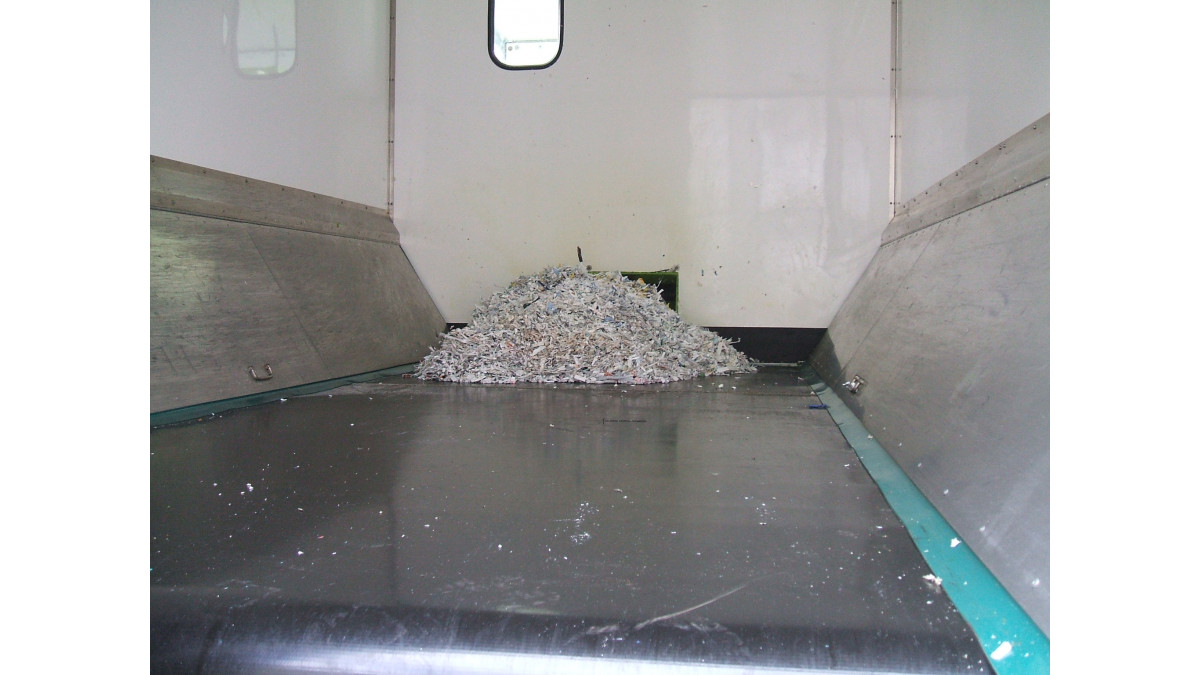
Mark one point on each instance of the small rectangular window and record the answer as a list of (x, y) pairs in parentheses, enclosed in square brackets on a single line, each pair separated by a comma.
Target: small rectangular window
[(525, 34)]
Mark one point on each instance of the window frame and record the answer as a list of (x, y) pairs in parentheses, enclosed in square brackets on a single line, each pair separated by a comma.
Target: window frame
[(491, 35)]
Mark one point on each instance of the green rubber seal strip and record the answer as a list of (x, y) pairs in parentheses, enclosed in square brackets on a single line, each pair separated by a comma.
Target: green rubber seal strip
[(1012, 641), (202, 410)]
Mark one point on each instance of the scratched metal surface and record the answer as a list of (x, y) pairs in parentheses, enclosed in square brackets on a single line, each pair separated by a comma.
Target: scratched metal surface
[(718, 521)]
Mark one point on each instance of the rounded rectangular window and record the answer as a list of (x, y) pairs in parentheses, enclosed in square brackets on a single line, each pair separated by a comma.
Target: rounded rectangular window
[(525, 34)]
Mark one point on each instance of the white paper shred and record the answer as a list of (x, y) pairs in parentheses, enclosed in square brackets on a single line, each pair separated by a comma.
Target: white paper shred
[(567, 324)]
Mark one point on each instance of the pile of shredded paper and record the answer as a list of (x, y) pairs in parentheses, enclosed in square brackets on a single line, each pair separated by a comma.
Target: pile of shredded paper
[(571, 325)]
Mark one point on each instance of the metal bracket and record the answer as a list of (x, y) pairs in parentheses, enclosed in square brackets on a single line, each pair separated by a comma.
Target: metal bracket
[(855, 384), (260, 378)]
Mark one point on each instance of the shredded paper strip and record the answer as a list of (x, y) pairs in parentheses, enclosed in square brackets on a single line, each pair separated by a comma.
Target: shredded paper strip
[(568, 324)]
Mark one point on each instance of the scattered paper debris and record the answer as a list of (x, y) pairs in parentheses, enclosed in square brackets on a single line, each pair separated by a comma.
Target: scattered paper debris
[(955, 542), (933, 579), (567, 324), (1004, 650)]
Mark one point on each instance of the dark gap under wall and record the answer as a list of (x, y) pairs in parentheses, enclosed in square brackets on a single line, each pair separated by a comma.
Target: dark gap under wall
[(773, 345), (766, 345)]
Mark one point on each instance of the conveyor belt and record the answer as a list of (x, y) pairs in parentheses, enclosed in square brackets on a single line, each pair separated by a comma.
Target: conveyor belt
[(407, 525)]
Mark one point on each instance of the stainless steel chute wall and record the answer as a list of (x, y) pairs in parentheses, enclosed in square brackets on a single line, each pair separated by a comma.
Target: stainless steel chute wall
[(949, 329), (257, 287)]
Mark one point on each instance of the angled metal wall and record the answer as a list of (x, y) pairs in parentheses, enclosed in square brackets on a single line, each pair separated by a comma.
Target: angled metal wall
[(949, 329), (246, 274)]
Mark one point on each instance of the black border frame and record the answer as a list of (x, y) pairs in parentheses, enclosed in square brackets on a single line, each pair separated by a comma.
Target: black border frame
[(491, 36)]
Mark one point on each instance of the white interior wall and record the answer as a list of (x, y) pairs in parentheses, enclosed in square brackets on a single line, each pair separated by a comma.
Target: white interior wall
[(971, 75), (322, 127), (746, 143)]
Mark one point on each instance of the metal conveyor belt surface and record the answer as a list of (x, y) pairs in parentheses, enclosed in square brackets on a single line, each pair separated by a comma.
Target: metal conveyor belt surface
[(718, 523)]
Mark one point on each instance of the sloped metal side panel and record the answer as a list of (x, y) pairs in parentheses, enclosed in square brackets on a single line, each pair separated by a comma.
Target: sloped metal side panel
[(949, 328), (235, 289)]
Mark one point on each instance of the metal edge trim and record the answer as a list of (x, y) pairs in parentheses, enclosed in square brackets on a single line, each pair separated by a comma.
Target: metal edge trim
[(1018, 162), (195, 190), (988, 608), (188, 206), (391, 170), (202, 410), (894, 113)]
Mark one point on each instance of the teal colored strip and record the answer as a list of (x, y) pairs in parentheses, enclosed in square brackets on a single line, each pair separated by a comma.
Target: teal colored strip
[(992, 613), (213, 407)]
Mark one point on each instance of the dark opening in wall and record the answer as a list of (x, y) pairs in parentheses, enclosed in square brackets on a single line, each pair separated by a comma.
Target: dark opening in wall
[(667, 283)]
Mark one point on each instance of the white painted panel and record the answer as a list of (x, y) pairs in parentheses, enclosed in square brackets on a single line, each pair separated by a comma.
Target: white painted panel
[(972, 74), (322, 126), (746, 143)]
